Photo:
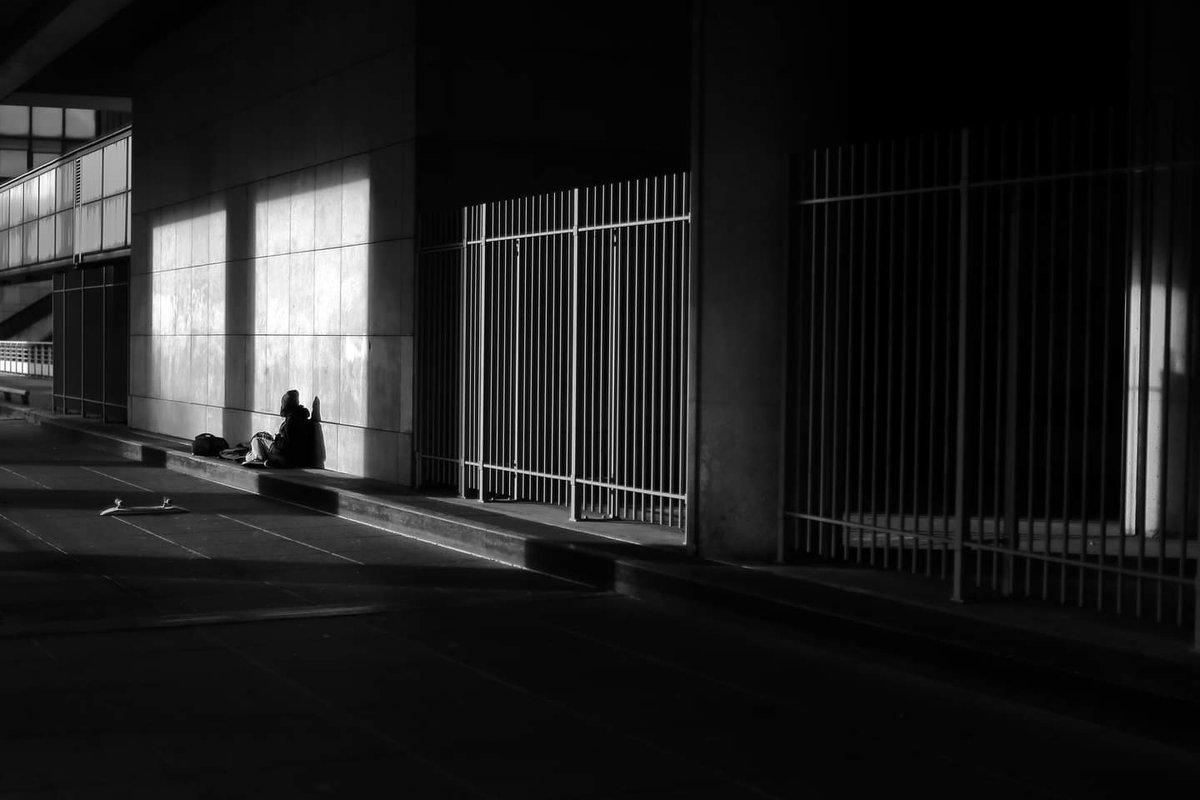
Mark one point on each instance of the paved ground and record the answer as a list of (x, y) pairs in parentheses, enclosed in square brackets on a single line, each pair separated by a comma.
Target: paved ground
[(254, 649)]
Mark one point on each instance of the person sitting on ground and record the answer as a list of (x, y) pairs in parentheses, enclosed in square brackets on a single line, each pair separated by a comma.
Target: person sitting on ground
[(292, 445)]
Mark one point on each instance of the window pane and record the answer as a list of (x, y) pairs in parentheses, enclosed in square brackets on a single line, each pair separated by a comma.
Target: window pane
[(14, 120), (13, 162), (81, 123), (47, 122), (43, 158)]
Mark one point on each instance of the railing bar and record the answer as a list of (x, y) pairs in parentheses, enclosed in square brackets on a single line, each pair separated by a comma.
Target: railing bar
[(985, 273), (915, 434), (633, 489), (657, 451), (951, 277), (1167, 381), (852, 268), (1145, 284), (1133, 193), (1052, 270), (803, 476), (823, 393), (1050, 177), (1033, 349), (1191, 348), (875, 348), (832, 393), (628, 351), (864, 283), (1085, 438), (891, 313)]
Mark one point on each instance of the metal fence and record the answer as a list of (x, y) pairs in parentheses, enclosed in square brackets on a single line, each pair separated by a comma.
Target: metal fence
[(35, 359), (91, 341), (552, 360), (989, 356)]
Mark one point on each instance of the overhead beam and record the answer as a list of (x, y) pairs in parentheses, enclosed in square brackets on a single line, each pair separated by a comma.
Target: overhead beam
[(98, 102), (66, 29)]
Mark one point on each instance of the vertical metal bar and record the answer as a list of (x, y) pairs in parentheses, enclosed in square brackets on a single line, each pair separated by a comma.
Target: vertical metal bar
[(673, 344), (1132, 231), (919, 320), (902, 418), (1145, 279), (832, 393), (483, 364), (1031, 511), (863, 349), (1051, 270), (984, 341), (1085, 522), (575, 499), (420, 341), (1086, 439), (960, 480), (845, 532), (654, 395), (876, 397), (1011, 532), (689, 337), (1165, 369), (891, 294), (1186, 499), (612, 476), (464, 344), (639, 439), (1072, 166), (806, 475)]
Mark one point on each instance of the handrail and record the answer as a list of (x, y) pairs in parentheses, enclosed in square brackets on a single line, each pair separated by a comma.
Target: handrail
[(71, 155), (35, 359), (72, 210)]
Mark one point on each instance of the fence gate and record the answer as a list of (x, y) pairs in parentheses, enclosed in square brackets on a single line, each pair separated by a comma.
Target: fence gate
[(552, 361), (990, 345)]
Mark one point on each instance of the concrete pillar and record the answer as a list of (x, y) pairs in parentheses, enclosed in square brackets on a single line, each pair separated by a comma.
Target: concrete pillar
[(1160, 434), (768, 80)]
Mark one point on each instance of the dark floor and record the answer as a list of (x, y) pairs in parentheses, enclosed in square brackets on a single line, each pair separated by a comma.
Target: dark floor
[(253, 649)]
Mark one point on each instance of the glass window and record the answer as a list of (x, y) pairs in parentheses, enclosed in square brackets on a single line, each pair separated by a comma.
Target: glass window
[(13, 162), (81, 123), (43, 158), (14, 120), (48, 122)]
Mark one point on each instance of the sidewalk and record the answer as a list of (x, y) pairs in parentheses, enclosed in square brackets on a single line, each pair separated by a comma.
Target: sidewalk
[(1062, 655)]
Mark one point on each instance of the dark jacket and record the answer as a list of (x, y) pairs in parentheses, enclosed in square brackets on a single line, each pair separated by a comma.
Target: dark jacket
[(293, 444)]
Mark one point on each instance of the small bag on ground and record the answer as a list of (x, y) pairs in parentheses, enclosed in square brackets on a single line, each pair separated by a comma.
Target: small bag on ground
[(206, 444)]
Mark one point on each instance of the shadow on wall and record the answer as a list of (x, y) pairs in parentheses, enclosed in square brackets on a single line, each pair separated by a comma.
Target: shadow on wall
[(318, 443)]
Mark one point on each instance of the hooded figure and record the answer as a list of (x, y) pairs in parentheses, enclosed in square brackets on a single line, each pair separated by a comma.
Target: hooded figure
[(292, 445)]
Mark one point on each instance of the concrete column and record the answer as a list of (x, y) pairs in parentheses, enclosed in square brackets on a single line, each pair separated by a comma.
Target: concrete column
[(768, 84), (1160, 435)]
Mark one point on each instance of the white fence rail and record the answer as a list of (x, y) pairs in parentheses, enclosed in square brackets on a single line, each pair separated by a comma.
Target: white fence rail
[(552, 350), (35, 359)]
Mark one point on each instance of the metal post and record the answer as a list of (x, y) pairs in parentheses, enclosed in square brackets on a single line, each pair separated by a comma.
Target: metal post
[(960, 449), (574, 501), (1010, 409), (462, 353), (612, 379), (482, 364)]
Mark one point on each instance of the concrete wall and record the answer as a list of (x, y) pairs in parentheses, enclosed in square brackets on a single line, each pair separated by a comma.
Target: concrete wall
[(273, 227)]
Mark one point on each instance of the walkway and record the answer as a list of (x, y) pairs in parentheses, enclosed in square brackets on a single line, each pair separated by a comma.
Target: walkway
[(256, 648)]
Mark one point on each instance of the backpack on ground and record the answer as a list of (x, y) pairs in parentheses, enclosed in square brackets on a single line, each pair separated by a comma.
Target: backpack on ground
[(206, 444)]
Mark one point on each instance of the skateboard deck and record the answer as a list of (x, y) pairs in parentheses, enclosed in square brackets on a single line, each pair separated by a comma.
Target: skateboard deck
[(120, 509)]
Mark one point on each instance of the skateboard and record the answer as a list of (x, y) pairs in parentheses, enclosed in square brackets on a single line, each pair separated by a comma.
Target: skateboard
[(120, 509)]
